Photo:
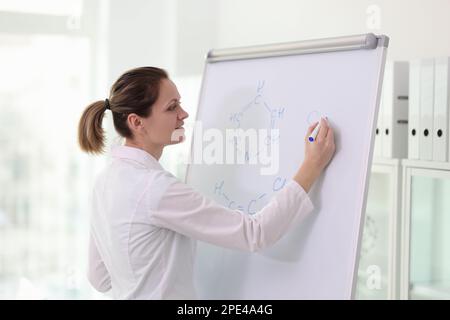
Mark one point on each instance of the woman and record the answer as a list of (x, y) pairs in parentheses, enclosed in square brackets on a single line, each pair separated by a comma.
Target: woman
[(144, 221)]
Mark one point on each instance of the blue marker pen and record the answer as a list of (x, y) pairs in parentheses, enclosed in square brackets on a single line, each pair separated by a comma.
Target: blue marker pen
[(312, 136)]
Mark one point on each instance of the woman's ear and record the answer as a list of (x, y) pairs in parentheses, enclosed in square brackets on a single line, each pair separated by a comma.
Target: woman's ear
[(134, 122)]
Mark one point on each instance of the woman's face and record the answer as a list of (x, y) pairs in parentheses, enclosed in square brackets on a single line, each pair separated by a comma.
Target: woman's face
[(164, 125)]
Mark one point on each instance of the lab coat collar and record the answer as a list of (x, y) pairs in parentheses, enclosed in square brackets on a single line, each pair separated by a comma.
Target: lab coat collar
[(136, 154)]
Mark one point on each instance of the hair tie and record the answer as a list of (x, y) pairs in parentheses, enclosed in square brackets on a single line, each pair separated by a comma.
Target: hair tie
[(107, 107)]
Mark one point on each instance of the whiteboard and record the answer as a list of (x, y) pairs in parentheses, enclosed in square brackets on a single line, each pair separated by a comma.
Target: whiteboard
[(288, 88)]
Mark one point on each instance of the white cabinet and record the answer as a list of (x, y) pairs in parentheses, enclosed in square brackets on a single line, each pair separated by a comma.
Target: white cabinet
[(425, 241)]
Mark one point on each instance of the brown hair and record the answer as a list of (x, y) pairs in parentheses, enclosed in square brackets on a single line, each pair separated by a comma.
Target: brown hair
[(134, 92)]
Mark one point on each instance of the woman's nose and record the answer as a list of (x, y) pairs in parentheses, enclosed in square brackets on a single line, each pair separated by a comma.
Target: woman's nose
[(183, 115)]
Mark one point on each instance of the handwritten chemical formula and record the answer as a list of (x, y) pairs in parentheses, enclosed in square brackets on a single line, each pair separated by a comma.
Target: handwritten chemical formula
[(251, 206), (244, 117)]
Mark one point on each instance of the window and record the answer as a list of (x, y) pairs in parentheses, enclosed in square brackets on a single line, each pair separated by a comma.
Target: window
[(44, 203)]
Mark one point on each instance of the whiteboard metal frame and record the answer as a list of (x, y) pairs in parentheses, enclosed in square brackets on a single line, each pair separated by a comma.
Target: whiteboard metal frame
[(368, 41), (357, 42), (384, 40)]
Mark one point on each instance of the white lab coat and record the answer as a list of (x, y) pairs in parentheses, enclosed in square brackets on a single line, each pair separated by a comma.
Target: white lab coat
[(144, 224)]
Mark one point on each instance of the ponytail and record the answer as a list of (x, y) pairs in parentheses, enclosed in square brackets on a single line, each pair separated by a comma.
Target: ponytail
[(91, 136)]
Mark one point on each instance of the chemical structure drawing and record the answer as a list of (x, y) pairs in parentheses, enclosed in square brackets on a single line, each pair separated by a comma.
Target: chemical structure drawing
[(273, 114), (249, 207), (259, 104)]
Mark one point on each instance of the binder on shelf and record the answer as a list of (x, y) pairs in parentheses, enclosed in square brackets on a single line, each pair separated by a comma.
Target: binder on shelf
[(378, 149), (414, 109), (441, 109), (426, 109), (395, 110)]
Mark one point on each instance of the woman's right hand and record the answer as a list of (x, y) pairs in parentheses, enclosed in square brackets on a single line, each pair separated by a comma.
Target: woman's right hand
[(317, 154)]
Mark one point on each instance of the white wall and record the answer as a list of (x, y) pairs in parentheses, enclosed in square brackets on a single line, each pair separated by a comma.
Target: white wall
[(177, 34), (140, 33), (417, 28), (196, 33)]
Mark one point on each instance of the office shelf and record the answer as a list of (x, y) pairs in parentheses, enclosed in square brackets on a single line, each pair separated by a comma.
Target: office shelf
[(378, 263)]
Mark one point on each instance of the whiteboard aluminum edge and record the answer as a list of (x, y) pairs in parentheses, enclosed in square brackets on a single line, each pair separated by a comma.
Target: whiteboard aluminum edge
[(365, 185), (354, 42), (205, 67)]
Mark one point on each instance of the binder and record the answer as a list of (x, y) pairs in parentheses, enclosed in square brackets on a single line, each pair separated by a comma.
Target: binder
[(426, 109), (441, 109), (395, 109), (378, 149), (414, 109)]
